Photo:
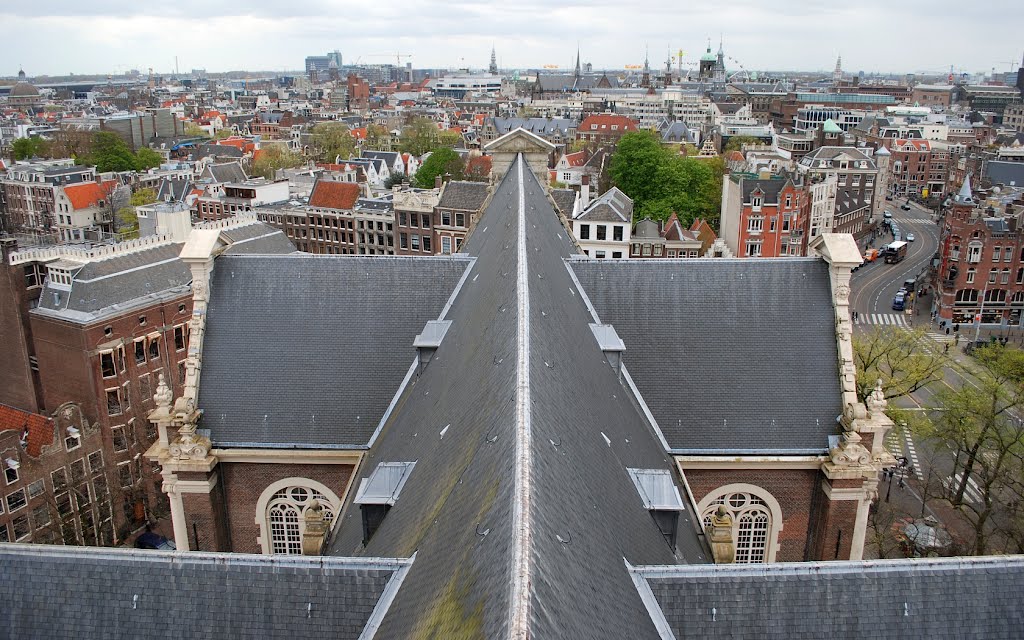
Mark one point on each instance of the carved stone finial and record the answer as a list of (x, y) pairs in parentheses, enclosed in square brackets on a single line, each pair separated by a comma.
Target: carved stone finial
[(163, 394), (189, 445), (316, 529), (723, 547), (876, 401), (850, 452)]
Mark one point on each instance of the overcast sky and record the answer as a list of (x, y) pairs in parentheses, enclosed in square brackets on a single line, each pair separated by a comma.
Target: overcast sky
[(111, 36)]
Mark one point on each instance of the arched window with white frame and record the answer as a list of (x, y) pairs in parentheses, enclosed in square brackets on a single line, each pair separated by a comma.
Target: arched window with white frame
[(281, 513), (756, 520)]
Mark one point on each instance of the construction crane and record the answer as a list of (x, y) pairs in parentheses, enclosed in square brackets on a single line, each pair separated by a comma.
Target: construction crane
[(398, 56)]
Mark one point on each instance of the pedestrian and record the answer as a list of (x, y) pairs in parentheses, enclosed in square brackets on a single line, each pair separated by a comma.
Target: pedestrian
[(946, 348)]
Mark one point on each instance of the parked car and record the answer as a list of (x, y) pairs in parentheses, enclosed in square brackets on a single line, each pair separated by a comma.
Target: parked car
[(905, 207), (899, 302), (910, 237), (887, 215)]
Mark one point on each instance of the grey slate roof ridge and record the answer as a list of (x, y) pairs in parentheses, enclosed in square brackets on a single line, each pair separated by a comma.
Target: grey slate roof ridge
[(845, 567)]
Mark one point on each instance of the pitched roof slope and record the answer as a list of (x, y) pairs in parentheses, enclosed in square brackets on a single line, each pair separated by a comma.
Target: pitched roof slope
[(332, 194), (485, 417), (464, 196), (364, 311), (39, 428), (88, 194), (455, 510), (713, 378), (916, 598), (87, 592)]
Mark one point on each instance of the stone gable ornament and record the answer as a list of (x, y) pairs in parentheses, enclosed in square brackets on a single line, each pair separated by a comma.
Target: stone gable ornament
[(876, 401), (843, 293), (723, 547), (163, 394), (850, 452)]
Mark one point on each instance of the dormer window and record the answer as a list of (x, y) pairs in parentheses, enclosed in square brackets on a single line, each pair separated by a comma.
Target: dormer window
[(660, 497), (378, 493), (756, 202)]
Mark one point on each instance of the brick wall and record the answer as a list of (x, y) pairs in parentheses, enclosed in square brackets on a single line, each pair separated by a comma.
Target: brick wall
[(16, 385), (243, 483), (792, 488)]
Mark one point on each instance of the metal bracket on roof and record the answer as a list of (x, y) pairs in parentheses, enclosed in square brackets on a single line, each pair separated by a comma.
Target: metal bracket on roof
[(429, 340)]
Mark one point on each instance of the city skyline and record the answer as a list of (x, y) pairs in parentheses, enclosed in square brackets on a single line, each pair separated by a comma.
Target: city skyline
[(112, 36)]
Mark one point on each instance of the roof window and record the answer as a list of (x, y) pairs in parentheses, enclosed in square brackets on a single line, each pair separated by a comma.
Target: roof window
[(661, 498), (378, 493), (610, 343), (428, 341)]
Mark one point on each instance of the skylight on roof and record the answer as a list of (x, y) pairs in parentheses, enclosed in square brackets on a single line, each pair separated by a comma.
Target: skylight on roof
[(384, 484), (657, 489)]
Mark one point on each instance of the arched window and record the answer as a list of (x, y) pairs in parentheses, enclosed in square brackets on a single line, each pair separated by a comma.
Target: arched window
[(756, 520), (281, 513)]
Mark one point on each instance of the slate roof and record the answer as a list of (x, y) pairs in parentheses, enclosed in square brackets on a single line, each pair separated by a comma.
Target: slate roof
[(542, 127), (770, 188), (174, 188), (612, 206), (678, 132), (487, 412), (225, 172), (118, 280), (714, 379), (917, 598), (565, 200), (257, 238), (463, 196), (365, 311), (1006, 173), (88, 592)]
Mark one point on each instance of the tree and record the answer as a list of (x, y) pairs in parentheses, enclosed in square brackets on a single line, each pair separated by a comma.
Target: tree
[(71, 143), (478, 169), (143, 196), (333, 140), (272, 158), (395, 178), (126, 223), (223, 134), (25, 148), (110, 153), (896, 358), (146, 158), (420, 136), (444, 161), (448, 138), (635, 163), (192, 130), (736, 143), (378, 138), (980, 423)]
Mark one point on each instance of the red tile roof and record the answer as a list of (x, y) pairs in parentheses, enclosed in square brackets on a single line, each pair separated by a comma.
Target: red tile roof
[(604, 123), (577, 159), (40, 428), (359, 133), (329, 194), (88, 194)]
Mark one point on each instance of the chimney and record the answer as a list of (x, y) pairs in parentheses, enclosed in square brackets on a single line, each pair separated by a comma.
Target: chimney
[(584, 191), (437, 181)]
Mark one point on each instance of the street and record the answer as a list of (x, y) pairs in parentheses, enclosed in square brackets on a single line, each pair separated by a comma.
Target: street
[(873, 287)]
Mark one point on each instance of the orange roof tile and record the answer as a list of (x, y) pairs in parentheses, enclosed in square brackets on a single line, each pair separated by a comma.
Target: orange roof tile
[(39, 428), (88, 194), (605, 121), (329, 194), (577, 159), (358, 133)]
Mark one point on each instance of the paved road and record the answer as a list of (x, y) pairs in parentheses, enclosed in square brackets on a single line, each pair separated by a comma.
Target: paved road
[(874, 285)]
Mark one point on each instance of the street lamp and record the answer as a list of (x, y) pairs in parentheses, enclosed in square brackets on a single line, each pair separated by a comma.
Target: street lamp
[(902, 468)]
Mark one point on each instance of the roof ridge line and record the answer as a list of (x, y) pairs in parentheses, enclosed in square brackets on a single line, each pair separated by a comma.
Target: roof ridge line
[(520, 597)]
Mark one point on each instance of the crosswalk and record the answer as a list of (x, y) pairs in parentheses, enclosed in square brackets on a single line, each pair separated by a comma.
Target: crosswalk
[(888, 319), (908, 440), (972, 493)]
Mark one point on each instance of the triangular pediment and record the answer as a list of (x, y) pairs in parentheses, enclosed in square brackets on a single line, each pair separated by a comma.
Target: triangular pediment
[(519, 141)]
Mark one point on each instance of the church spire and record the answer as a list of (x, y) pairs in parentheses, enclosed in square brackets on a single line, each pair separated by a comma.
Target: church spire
[(493, 68), (577, 74)]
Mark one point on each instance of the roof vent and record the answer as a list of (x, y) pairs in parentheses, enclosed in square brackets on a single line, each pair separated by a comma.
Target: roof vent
[(378, 493), (429, 340), (611, 344), (661, 498)]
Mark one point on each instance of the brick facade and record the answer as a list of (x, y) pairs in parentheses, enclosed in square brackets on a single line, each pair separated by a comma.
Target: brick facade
[(225, 520), (808, 524)]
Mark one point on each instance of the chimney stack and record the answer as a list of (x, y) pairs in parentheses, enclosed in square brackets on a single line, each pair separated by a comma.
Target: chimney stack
[(584, 191)]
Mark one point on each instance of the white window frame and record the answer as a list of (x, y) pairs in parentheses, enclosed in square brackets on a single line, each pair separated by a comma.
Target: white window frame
[(709, 504), (269, 500)]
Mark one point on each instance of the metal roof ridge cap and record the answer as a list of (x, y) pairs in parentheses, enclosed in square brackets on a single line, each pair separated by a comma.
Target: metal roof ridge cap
[(227, 444)]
